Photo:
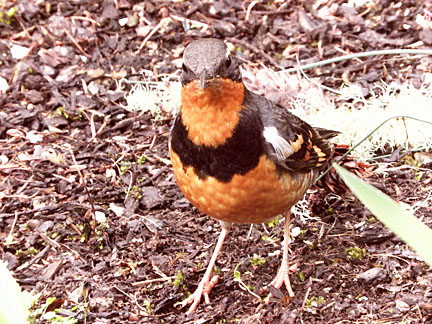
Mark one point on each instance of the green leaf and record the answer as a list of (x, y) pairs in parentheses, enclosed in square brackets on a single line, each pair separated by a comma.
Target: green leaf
[(13, 309), (405, 225), (237, 274)]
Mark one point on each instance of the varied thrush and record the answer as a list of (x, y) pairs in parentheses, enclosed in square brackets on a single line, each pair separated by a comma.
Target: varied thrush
[(237, 156)]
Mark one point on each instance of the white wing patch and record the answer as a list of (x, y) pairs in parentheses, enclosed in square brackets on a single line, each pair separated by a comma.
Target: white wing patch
[(281, 146)]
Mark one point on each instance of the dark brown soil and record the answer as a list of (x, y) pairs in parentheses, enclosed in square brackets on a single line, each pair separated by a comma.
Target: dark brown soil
[(69, 151)]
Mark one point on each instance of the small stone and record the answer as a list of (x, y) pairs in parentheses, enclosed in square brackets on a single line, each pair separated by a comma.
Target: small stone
[(33, 223), (372, 274), (132, 21), (402, 306), (225, 28), (133, 317)]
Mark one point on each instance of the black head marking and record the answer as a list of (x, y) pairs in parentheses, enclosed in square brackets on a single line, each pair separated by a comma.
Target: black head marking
[(206, 59)]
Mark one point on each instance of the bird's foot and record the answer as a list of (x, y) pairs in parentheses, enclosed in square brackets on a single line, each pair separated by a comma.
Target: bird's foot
[(281, 278), (204, 289)]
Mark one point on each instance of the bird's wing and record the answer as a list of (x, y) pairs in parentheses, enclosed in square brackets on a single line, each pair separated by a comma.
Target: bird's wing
[(290, 142)]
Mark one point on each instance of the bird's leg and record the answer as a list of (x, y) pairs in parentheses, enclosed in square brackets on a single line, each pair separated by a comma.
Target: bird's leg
[(282, 276), (206, 285)]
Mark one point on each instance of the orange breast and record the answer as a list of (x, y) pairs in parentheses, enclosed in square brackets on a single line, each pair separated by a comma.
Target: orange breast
[(254, 197), (217, 105)]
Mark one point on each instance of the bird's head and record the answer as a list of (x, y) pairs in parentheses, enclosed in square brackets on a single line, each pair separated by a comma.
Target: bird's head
[(209, 61)]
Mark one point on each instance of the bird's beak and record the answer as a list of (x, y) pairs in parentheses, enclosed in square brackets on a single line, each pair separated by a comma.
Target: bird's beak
[(205, 79)]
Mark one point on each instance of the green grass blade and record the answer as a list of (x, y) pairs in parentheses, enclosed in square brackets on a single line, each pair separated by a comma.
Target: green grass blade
[(405, 225), (13, 309)]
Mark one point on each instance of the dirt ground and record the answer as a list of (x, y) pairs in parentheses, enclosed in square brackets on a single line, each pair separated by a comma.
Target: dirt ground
[(90, 212)]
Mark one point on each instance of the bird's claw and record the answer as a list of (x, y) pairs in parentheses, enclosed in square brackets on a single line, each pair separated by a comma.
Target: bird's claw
[(204, 288), (282, 277)]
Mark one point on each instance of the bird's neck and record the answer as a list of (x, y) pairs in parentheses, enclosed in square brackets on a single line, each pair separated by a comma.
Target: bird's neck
[(210, 115)]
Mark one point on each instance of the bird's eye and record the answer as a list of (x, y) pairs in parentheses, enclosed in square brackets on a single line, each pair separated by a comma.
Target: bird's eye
[(228, 61)]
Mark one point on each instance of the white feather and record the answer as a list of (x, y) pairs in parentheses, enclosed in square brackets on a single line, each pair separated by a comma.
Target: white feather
[(281, 146)]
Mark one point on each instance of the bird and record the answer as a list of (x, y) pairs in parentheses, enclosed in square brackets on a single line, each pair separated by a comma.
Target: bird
[(237, 156)]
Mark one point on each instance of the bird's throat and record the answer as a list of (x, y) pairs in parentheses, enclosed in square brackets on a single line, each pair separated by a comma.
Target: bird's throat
[(210, 115)]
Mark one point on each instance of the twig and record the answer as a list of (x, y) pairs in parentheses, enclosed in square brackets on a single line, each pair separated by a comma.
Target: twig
[(124, 292), (36, 258), (13, 166), (130, 185), (85, 19), (163, 22), (85, 188), (272, 12), (163, 160), (153, 142), (249, 9), (48, 240), (158, 271), (146, 282), (99, 131), (78, 46), (25, 30), (9, 237), (254, 49), (365, 12), (250, 231), (194, 22), (24, 185), (306, 297)]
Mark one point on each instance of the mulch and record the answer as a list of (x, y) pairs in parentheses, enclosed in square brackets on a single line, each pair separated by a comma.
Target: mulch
[(90, 212)]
